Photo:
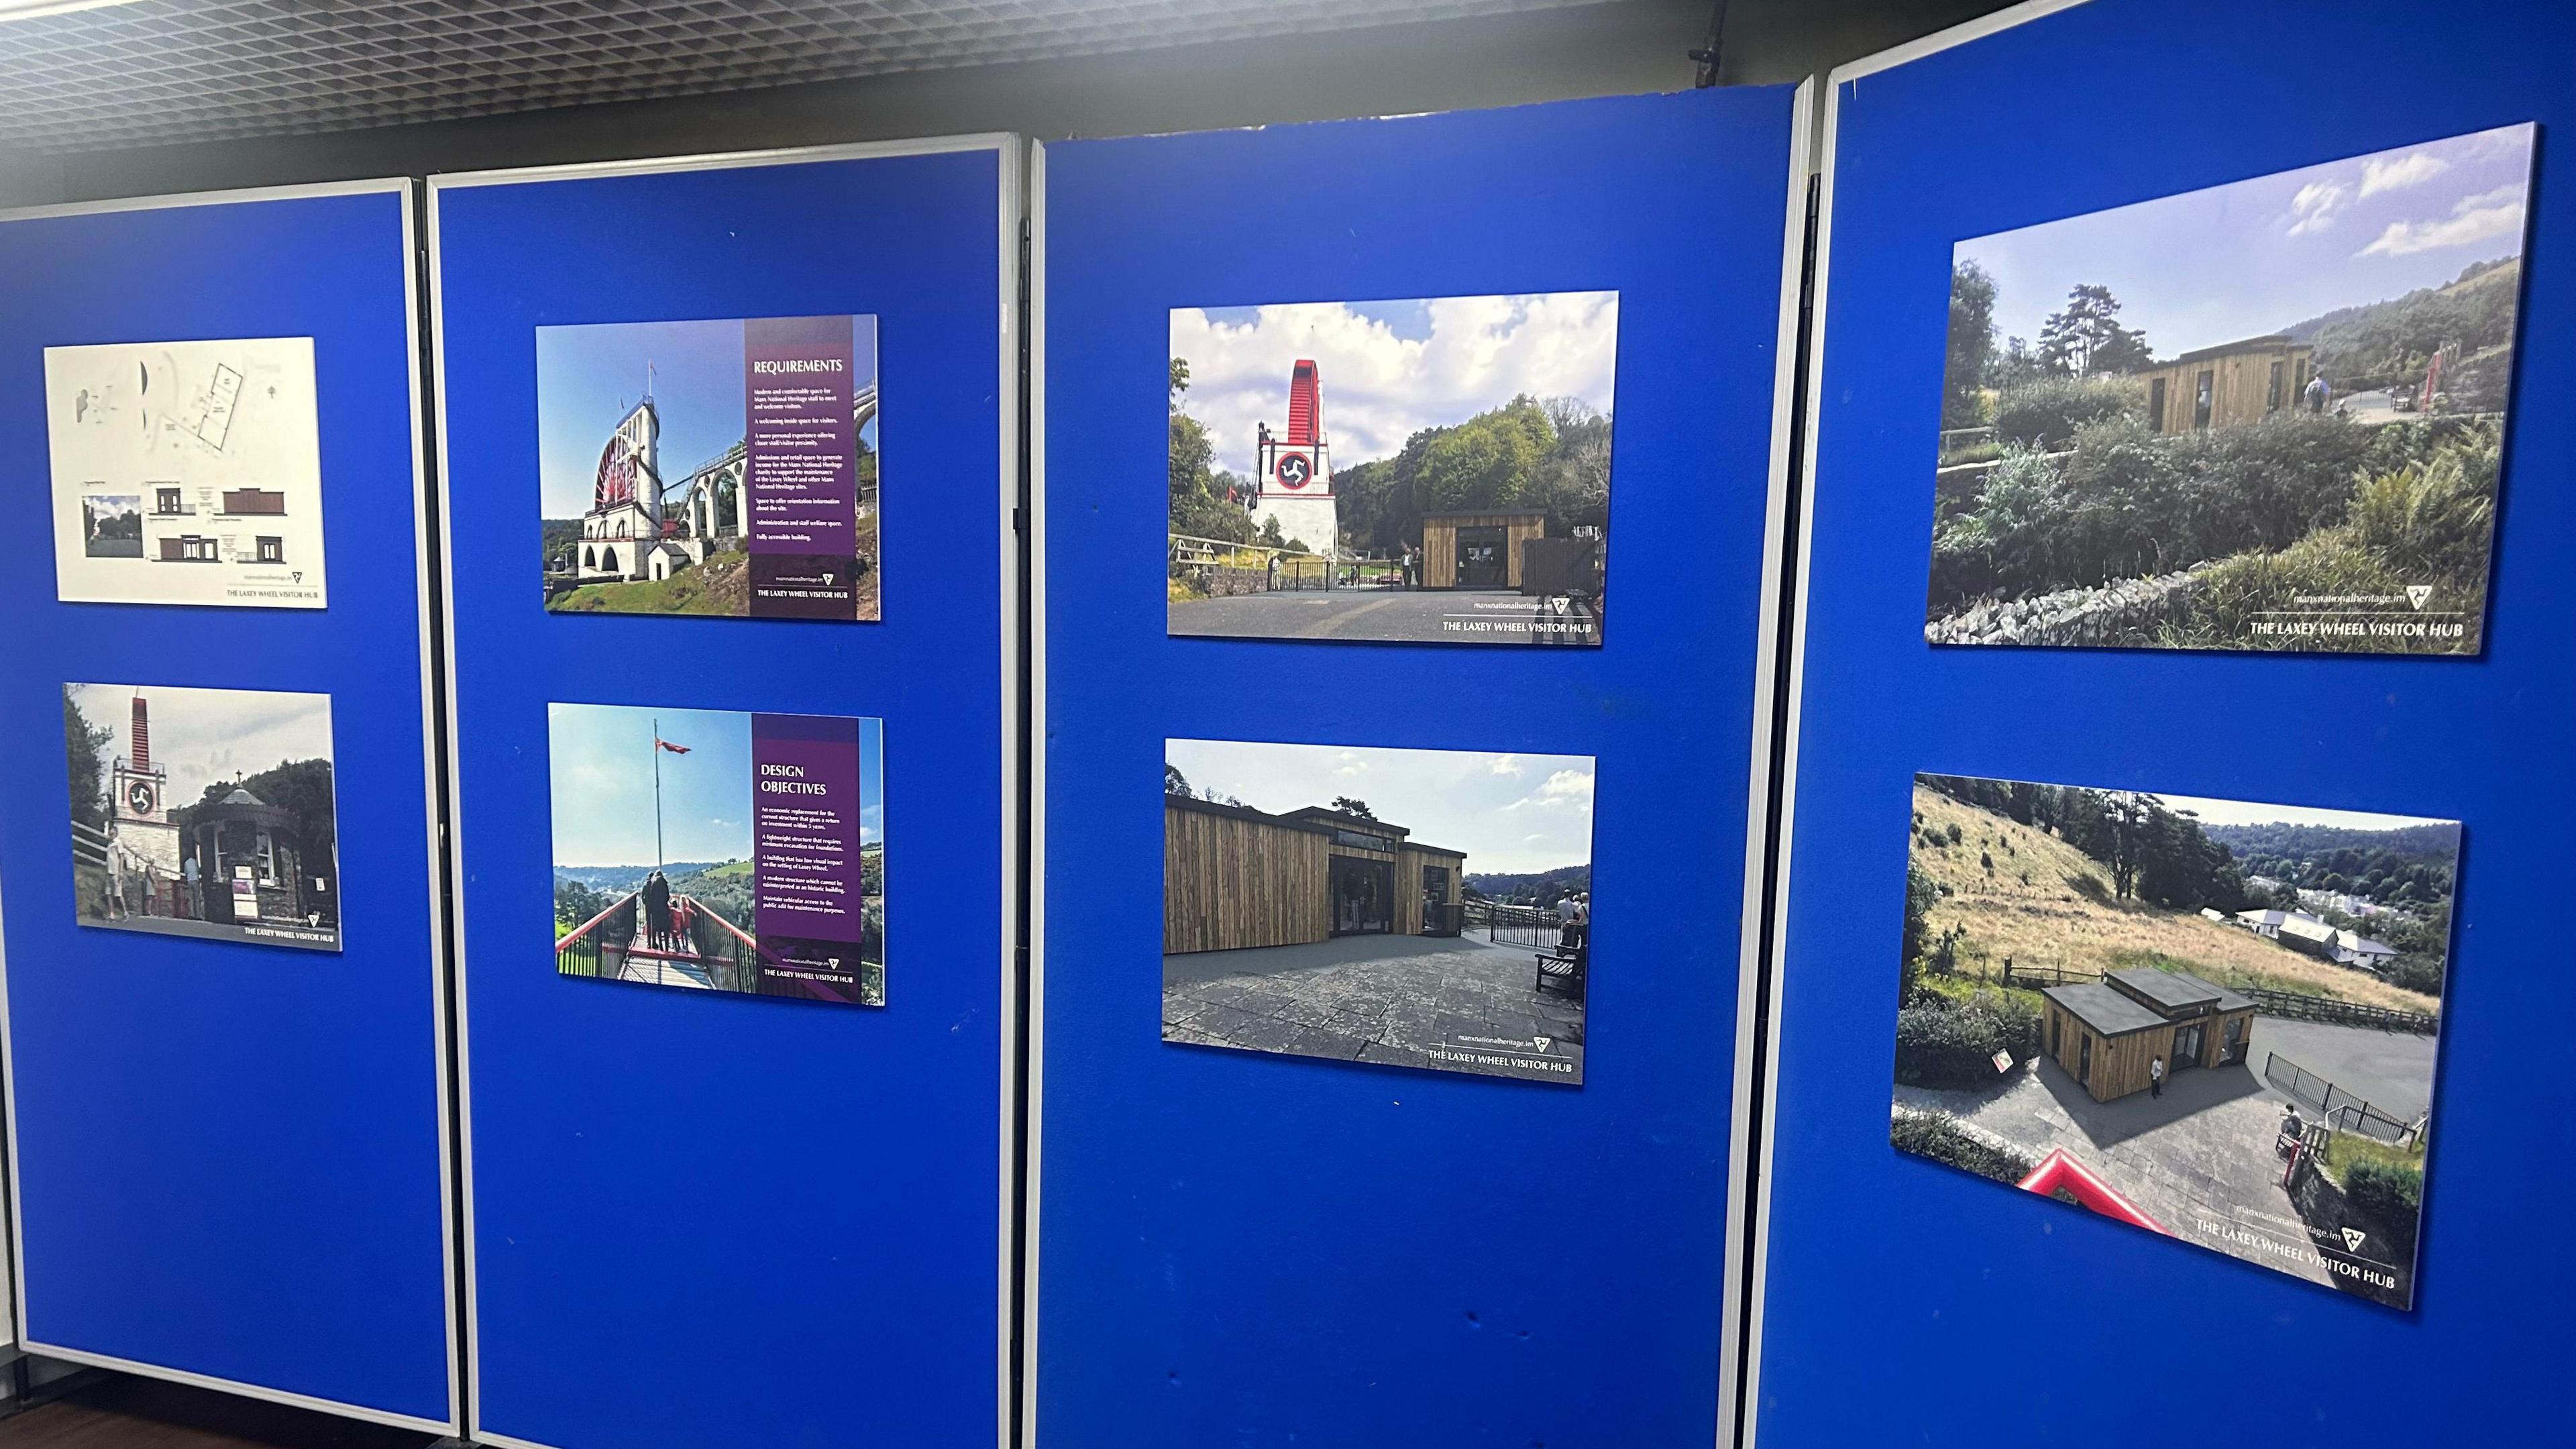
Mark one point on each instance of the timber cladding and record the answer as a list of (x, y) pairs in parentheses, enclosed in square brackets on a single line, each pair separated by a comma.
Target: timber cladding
[(1440, 543), (2247, 382), (1233, 877), (2108, 1035)]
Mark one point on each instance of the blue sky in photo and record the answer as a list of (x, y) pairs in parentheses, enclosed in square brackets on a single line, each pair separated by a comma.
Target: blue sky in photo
[(1390, 368), (1510, 813), (600, 763), (2243, 812), (2252, 257), (1408, 319), (200, 736), (589, 376)]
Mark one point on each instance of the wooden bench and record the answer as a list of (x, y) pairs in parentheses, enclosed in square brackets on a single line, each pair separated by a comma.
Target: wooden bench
[(1561, 971)]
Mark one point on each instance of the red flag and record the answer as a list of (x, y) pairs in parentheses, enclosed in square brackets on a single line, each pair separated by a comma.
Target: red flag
[(666, 744)]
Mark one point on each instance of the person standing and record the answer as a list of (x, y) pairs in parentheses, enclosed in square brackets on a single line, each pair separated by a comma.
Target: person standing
[(657, 911), (1565, 921), (2317, 393), (2156, 1077), (1582, 919)]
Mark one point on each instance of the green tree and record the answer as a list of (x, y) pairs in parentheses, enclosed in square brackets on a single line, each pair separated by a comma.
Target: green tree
[(1921, 895), (1199, 506), (1489, 461), (1357, 809), (85, 750), (2085, 337), (1972, 346), (1174, 782), (575, 903)]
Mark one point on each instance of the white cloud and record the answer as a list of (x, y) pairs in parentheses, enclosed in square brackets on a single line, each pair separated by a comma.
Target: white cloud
[(1381, 388), (1507, 765), (2397, 173), (1563, 788), (2475, 219), (2315, 207)]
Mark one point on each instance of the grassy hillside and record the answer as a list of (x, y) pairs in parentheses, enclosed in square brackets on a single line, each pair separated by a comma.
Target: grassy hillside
[(2046, 903)]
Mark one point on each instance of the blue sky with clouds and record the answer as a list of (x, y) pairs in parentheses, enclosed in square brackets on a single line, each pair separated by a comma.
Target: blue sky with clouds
[(1391, 368), (1509, 813), (589, 375), (200, 736), (601, 768), (2240, 260)]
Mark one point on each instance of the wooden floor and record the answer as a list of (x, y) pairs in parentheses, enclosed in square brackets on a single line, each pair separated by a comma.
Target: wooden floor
[(123, 1412)]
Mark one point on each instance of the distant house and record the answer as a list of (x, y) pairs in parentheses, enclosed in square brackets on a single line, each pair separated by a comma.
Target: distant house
[(2108, 1034), (2208, 914), (2302, 932), (2221, 387), (2267, 924), (2305, 933)]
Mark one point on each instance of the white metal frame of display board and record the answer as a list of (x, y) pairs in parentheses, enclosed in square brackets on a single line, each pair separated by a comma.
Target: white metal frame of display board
[(1035, 885), (1007, 149), (1812, 367), (1735, 1331), (447, 1184)]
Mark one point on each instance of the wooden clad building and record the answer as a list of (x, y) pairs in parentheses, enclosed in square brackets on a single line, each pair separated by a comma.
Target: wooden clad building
[(2107, 1034), (1477, 550), (2220, 387), (1236, 877)]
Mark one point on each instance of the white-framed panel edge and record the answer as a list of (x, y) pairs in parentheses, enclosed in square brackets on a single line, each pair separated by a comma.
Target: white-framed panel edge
[(1941, 40), (1786, 824), (1033, 1150), (1014, 446), (1010, 188), (401, 187), (1743, 1124)]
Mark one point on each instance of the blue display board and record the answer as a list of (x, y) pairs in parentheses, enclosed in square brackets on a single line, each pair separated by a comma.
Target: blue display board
[(230, 1159), (1906, 1300), (1245, 1247), (700, 1217)]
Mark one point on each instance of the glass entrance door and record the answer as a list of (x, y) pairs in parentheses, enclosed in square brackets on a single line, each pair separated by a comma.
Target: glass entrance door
[(1363, 894)]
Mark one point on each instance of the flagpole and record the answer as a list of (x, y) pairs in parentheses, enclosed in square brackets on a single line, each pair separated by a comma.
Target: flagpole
[(657, 794)]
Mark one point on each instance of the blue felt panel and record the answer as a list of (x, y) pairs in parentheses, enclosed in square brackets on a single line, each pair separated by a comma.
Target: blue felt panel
[(701, 1218), (230, 1154), (1909, 1302), (1247, 1249)]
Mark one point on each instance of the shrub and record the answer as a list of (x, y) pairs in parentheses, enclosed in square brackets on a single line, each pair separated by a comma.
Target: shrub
[(1942, 1042), (2048, 413), (2390, 1195), (2433, 519), (2267, 483), (1939, 1136), (2234, 591), (2005, 536)]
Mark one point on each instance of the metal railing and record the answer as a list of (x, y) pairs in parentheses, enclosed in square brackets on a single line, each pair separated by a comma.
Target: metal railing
[(1509, 925), (731, 958), (598, 946), (2344, 1111)]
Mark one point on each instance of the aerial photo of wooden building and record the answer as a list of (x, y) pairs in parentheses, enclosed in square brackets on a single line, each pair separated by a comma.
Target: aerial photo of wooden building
[(2220, 387), (1235, 877), (2106, 1033)]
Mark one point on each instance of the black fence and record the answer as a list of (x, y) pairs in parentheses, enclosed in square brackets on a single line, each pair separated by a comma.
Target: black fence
[(2343, 1111), (598, 946), (1531, 926)]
